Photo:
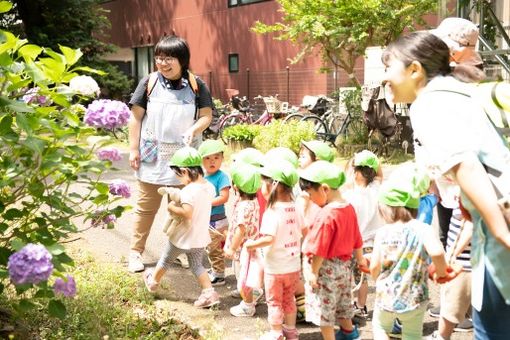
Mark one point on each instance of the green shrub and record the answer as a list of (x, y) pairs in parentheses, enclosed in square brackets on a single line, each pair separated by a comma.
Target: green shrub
[(241, 133), (287, 134)]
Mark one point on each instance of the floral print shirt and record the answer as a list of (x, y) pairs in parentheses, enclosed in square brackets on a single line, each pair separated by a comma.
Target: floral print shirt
[(245, 213), (402, 284)]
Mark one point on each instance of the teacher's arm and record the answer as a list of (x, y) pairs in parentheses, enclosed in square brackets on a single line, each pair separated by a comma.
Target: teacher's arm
[(134, 127)]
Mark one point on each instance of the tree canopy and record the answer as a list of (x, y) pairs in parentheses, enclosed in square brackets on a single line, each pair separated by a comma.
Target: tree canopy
[(341, 30)]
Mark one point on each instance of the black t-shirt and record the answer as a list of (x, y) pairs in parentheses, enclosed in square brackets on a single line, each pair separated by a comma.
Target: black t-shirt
[(139, 97)]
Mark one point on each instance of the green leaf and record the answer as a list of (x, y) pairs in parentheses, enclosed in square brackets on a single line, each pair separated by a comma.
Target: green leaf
[(57, 309), (5, 59), (72, 56), (15, 105), (35, 144), (17, 244), (26, 305), (1, 288), (56, 249), (12, 214), (30, 51), (5, 6), (89, 69), (4, 274), (102, 188), (34, 72)]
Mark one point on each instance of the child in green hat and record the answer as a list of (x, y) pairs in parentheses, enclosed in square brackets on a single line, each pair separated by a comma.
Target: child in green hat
[(196, 202), (211, 152), (399, 262), (280, 242), (314, 150), (244, 225), (362, 192), (328, 247)]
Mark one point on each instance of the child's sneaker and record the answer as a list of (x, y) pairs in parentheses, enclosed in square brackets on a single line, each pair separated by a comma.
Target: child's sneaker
[(207, 299), (243, 309), (341, 335), (135, 263), (258, 296), (182, 260), (148, 278), (236, 295), (272, 335), (361, 312), (216, 280), (300, 308), (396, 330), (290, 333)]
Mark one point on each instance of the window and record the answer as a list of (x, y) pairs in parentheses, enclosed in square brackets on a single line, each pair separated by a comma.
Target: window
[(144, 61), (233, 62), (233, 3)]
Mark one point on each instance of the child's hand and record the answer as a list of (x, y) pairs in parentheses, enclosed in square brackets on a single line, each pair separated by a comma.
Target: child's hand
[(311, 279), (171, 206), (229, 253), (363, 265)]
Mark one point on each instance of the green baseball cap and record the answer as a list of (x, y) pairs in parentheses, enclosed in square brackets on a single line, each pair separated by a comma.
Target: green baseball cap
[(321, 150), (366, 158), (186, 157), (246, 177), (399, 192), (250, 156), (210, 147), (324, 172), (414, 174), (282, 153), (281, 171)]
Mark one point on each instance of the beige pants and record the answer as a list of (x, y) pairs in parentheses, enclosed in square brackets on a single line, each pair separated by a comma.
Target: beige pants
[(215, 249), (148, 204)]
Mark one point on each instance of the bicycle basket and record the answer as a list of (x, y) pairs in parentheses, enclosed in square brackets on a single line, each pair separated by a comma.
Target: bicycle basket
[(274, 105)]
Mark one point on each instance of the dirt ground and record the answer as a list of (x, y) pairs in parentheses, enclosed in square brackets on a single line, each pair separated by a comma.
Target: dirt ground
[(179, 288)]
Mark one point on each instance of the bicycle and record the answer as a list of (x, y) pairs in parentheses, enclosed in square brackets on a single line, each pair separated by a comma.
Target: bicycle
[(317, 105)]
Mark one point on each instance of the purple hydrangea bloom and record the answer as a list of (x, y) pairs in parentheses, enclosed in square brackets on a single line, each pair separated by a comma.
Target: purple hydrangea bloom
[(120, 187), (107, 114), (32, 96), (31, 264), (99, 217), (109, 154), (66, 288)]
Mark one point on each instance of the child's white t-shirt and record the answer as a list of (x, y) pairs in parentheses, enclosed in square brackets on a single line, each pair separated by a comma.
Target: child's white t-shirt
[(200, 197), (284, 223), (365, 203)]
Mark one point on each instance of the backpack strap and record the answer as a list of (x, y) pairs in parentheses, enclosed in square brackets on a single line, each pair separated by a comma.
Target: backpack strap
[(153, 79)]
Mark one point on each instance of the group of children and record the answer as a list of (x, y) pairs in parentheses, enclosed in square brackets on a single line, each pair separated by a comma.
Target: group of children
[(299, 228)]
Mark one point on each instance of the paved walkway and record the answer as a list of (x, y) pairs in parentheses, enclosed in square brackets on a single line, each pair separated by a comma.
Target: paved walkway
[(179, 288)]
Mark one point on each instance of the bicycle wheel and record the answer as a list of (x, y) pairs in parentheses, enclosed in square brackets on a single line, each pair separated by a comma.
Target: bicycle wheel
[(318, 125), (231, 120), (335, 124), (293, 117)]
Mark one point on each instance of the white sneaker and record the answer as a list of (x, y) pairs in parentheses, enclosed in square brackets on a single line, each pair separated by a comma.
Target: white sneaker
[(182, 260), (243, 309), (135, 263)]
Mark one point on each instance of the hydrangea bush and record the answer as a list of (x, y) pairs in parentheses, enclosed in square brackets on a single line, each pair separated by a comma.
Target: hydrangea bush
[(50, 177)]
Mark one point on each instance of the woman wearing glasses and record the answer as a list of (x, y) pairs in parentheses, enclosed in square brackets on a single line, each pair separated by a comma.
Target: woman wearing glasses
[(166, 114)]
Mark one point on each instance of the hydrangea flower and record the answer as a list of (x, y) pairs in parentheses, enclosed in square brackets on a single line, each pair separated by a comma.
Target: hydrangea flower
[(107, 114), (65, 287), (120, 187), (109, 154), (32, 96), (31, 264), (85, 85), (99, 217)]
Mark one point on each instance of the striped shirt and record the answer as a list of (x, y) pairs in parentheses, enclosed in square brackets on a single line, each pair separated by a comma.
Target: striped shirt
[(455, 224)]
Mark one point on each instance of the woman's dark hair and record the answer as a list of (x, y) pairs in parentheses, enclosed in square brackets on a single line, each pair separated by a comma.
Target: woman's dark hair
[(367, 172), (173, 46), (305, 184), (194, 172), (396, 214), (432, 53)]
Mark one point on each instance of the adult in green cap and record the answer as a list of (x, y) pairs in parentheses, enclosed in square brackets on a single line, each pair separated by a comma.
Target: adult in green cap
[(250, 156), (210, 147), (246, 178), (366, 158), (314, 150), (282, 153)]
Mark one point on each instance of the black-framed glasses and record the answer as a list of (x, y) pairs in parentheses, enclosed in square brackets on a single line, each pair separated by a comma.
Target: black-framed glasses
[(166, 60)]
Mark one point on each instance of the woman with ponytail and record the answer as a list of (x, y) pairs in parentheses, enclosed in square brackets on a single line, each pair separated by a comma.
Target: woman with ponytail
[(458, 144)]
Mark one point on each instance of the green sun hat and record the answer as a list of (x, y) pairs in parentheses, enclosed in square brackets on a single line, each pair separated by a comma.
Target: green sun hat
[(324, 172), (250, 156), (414, 174), (366, 158), (186, 157), (399, 192), (280, 170), (210, 147), (321, 150), (246, 177), (283, 153)]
